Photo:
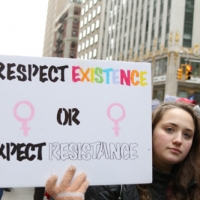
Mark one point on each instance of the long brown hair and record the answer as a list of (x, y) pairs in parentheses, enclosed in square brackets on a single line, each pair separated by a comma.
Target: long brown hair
[(186, 172)]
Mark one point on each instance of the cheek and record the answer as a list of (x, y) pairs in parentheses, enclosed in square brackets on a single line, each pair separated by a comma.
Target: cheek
[(187, 147), (160, 141)]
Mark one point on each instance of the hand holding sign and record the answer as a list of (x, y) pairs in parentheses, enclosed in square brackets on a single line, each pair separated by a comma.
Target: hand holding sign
[(58, 111), (65, 191)]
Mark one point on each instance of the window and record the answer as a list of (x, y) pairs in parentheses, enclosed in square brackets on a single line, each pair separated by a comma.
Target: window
[(83, 46), (92, 27), (159, 94), (79, 48), (88, 30), (90, 54), (87, 44), (182, 93), (74, 33), (98, 9), (112, 43), (160, 67), (111, 14), (86, 56), (97, 23), (85, 20), (167, 23), (90, 4), (91, 40), (113, 27), (72, 55), (195, 69), (73, 45), (82, 11), (80, 36), (95, 1), (86, 7), (84, 33), (76, 11), (109, 29), (96, 38), (94, 53), (188, 23), (83, 1), (167, 28), (89, 17), (81, 24), (94, 13)]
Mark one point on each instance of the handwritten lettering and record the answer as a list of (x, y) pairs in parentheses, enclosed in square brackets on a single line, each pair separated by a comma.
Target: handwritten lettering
[(109, 76), (89, 151), (24, 73), (22, 151), (70, 116)]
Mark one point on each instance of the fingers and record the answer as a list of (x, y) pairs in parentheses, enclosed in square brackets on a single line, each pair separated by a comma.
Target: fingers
[(79, 185), (66, 180), (79, 180), (50, 185), (83, 187)]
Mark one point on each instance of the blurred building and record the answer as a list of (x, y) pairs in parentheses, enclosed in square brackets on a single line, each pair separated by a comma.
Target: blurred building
[(62, 28), (54, 8), (163, 32), (92, 29)]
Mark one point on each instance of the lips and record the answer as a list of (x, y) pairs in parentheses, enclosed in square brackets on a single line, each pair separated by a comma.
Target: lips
[(175, 150)]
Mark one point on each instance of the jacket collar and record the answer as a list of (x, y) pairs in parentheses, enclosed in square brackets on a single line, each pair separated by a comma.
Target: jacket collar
[(161, 179)]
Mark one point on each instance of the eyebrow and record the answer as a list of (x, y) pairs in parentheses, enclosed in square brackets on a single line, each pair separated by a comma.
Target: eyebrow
[(188, 129)]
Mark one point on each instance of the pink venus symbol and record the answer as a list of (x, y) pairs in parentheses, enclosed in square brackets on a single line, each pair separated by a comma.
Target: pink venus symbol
[(116, 121), (24, 121)]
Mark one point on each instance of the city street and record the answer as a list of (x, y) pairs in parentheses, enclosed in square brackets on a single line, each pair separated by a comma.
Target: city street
[(19, 194), (101, 93)]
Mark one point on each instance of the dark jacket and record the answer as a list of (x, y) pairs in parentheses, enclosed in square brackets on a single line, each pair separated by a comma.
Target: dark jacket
[(158, 190)]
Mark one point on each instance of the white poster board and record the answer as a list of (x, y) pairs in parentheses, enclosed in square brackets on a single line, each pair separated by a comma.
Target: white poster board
[(57, 112)]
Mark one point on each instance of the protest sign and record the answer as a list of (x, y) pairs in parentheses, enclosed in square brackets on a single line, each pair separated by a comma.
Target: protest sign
[(58, 112), (169, 98), (155, 104)]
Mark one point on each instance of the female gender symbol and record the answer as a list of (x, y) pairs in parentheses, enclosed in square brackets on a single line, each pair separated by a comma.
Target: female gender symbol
[(24, 121), (116, 121)]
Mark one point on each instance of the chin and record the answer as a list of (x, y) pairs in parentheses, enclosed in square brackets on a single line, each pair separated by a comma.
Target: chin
[(173, 161)]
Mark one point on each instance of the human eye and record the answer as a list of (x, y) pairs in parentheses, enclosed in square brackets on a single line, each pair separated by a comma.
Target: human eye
[(169, 129), (187, 135)]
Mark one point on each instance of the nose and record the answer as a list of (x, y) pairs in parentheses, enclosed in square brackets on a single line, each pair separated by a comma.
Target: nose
[(177, 140)]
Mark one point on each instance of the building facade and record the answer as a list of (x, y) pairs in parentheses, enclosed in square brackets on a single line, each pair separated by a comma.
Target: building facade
[(92, 27), (163, 32), (62, 28), (66, 31), (54, 7)]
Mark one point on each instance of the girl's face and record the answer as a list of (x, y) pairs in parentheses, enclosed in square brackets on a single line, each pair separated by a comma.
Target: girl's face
[(172, 139)]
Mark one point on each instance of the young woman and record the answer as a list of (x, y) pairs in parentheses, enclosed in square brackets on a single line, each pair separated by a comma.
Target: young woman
[(176, 163)]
